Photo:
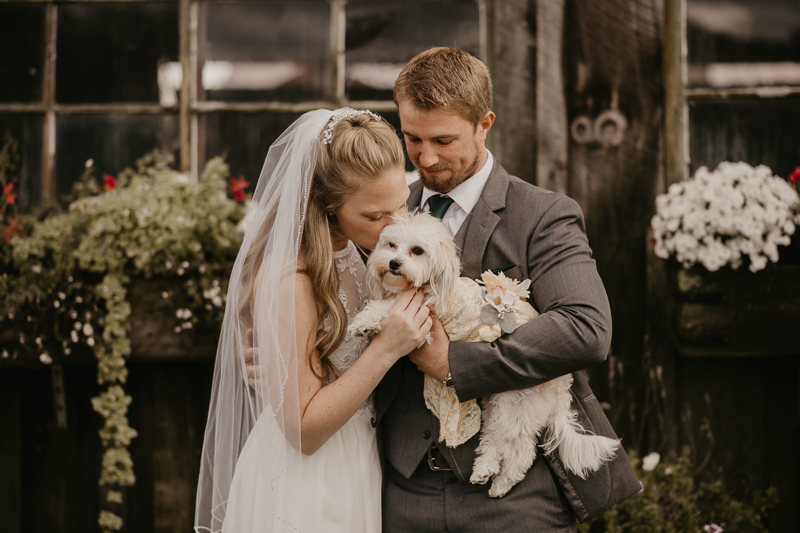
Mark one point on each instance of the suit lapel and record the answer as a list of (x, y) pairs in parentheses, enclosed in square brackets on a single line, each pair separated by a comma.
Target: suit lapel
[(480, 223)]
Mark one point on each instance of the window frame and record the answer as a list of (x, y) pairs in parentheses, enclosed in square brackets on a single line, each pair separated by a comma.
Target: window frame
[(190, 109), (678, 96)]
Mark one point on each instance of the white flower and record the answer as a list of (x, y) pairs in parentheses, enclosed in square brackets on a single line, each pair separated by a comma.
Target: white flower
[(180, 271), (56, 304), (11, 316), (87, 329), (78, 326), (67, 351), (668, 470), (90, 341), (89, 163), (186, 325), (45, 358), (4, 355), (61, 295), (73, 314), (650, 461), (718, 218), (165, 295), (202, 269), (185, 264), (73, 335), (78, 300), (168, 265), (38, 341), (36, 268), (216, 300), (177, 329)]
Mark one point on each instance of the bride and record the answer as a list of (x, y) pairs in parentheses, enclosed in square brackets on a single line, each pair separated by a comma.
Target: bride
[(290, 442)]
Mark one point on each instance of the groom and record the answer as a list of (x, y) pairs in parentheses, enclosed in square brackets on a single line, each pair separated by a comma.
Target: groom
[(444, 97)]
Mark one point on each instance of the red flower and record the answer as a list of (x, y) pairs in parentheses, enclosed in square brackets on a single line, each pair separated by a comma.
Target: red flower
[(111, 182), (11, 195), (795, 176), (12, 230), (238, 185)]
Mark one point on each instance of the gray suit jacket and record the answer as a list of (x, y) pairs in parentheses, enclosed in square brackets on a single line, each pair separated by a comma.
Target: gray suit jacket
[(543, 234)]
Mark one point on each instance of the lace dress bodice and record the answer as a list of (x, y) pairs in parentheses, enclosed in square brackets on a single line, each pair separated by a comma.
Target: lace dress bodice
[(353, 295)]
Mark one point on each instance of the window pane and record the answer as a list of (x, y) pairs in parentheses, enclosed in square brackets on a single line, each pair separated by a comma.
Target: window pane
[(244, 138), (113, 142), (381, 37), (112, 52), (754, 131), (743, 43), (27, 130), (22, 44), (266, 51)]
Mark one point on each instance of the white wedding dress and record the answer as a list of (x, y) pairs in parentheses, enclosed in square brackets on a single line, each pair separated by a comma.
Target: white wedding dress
[(264, 498)]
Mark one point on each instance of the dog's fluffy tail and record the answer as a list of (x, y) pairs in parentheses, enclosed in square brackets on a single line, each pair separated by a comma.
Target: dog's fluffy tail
[(581, 453)]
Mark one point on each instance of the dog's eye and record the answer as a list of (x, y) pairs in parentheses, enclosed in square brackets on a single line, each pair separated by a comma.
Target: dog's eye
[(392, 245), (417, 250)]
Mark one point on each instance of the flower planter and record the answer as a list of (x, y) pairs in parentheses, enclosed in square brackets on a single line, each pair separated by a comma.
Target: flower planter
[(152, 327), (736, 313)]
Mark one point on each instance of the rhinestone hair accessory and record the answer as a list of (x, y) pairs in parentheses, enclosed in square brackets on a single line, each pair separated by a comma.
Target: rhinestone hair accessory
[(346, 112)]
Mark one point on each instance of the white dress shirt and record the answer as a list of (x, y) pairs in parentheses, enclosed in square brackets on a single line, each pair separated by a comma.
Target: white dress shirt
[(465, 196)]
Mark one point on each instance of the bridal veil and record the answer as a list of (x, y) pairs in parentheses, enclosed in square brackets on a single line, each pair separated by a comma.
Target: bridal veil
[(261, 296)]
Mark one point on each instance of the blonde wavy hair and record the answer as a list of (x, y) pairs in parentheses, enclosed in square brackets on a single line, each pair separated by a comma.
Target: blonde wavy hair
[(361, 149), (448, 79)]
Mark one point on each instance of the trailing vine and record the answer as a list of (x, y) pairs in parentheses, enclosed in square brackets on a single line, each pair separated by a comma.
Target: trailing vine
[(65, 278)]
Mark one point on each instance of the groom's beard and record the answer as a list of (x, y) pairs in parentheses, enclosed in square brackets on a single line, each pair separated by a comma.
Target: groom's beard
[(444, 185)]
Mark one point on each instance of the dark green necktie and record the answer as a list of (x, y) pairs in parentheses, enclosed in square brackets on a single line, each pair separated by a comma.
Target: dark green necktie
[(439, 205)]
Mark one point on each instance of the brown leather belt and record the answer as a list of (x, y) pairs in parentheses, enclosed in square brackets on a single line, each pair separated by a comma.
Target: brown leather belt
[(436, 460)]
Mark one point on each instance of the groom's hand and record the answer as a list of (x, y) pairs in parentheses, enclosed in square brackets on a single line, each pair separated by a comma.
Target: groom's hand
[(433, 358)]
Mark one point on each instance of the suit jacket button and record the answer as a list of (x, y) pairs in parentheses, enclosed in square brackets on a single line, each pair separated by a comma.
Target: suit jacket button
[(373, 422), (426, 434)]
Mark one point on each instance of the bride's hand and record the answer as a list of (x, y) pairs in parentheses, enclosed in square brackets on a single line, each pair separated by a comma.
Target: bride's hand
[(405, 326)]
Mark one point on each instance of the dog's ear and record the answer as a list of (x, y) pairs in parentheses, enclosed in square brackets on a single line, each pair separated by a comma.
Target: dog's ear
[(445, 267), (374, 287)]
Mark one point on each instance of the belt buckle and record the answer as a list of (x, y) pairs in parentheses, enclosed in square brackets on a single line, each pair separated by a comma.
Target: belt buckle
[(432, 461)]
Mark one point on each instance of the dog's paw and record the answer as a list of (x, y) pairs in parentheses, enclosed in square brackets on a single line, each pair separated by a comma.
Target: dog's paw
[(480, 478), (499, 488), (364, 331)]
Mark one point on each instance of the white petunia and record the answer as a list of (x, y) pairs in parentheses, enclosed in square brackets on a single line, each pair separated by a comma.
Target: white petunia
[(650, 461)]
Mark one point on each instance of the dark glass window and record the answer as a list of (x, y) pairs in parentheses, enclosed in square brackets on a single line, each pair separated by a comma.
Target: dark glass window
[(112, 52), (266, 51), (743, 43), (754, 131), (243, 139), (113, 142), (381, 37), (27, 129), (22, 43)]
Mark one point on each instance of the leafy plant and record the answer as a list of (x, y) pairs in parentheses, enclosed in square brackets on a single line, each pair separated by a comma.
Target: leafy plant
[(673, 502), (64, 287)]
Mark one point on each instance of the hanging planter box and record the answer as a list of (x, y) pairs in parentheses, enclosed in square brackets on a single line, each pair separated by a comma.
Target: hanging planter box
[(736, 313), (152, 327)]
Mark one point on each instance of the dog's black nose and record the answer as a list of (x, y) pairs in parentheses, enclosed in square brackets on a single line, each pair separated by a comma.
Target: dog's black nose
[(393, 265)]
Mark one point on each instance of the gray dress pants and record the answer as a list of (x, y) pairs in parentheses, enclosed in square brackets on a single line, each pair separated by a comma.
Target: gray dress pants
[(438, 502)]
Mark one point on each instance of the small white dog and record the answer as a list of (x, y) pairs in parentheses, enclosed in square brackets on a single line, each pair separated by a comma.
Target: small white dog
[(418, 251)]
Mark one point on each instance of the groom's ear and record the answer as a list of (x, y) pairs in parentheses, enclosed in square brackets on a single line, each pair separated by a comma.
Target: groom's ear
[(484, 125)]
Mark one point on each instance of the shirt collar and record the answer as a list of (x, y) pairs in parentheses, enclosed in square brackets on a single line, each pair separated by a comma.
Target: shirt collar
[(469, 192)]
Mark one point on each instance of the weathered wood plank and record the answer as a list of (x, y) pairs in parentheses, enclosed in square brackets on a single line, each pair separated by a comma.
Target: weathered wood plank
[(612, 69), (513, 137), (10, 451), (552, 130)]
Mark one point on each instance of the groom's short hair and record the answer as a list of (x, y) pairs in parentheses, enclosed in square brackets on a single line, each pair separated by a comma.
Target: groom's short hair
[(448, 79)]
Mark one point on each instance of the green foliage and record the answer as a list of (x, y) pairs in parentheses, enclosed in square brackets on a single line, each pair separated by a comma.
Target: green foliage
[(673, 502), (64, 284)]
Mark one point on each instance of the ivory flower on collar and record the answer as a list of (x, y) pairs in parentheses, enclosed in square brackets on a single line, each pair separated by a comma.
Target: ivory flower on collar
[(492, 282)]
